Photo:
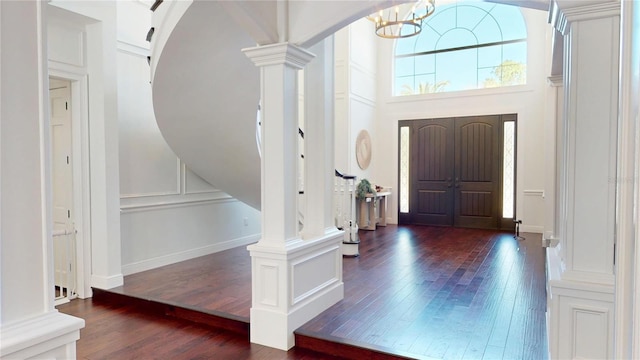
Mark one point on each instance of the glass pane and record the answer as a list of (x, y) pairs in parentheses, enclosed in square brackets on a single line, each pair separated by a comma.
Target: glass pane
[(425, 84), (487, 79), (405, 66), (508, 176), (458, 69), (463, 24), (427, 39), (490, 56), (425, 64), (469, 16), (511, 22), (405, 46), (443, 19), (515, 52), (456, 38), (488, 31), (404, 85), (404, 169)]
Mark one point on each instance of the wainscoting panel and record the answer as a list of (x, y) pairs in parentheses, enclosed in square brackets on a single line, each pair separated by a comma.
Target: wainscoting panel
[(147, 165), (194, 184), (580, 316), (590, 332), (307, 280), (270, 283), (66, 43)]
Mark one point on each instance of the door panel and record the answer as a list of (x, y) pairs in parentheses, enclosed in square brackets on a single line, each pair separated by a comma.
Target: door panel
[(477, 171), (61, 169), (432, 172), (455, 172)]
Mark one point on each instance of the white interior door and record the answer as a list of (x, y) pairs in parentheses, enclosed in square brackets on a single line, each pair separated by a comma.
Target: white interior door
[(62, 174)]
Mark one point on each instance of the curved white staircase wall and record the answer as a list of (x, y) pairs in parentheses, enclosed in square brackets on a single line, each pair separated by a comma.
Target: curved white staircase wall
[(205, 96), (206, 91)]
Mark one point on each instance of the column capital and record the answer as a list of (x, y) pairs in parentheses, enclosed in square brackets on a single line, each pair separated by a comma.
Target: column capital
[(279, 54), (555, 80), (563, 12)]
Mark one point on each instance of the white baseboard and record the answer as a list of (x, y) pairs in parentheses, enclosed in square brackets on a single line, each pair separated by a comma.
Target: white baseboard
[(107, 282), (169, 259), (537, 229)]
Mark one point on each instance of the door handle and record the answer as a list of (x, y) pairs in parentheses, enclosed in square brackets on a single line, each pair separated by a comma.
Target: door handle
[(448, 182)]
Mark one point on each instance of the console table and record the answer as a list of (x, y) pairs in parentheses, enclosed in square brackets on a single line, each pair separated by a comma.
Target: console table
[(368, 217)]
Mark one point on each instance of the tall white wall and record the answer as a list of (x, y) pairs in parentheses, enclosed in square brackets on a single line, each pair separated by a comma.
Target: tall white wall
[(528, 101), (355, 95), (168, 213)]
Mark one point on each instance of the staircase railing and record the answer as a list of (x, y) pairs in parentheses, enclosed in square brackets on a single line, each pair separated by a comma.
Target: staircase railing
[(65, 280), (345, 206)]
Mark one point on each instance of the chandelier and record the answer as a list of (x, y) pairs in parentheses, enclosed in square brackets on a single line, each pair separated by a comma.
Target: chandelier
[(390, 24)]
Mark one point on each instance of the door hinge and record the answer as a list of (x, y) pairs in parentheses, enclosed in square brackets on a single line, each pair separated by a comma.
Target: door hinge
[(67, 159), (69, 214)]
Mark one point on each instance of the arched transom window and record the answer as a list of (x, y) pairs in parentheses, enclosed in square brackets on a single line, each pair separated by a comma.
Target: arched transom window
[(463, 46)]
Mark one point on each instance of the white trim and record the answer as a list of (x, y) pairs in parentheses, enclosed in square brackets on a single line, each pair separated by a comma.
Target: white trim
[(149, 203), (133, 49), (148, 195), (555, 80), (107, 282), (563, 12), (41, 336), (71, 69), (46, 186), (391, 99), (81, 176), (363, 100), (537, 193), (279, 53), (536, 229), (168, 259), (184, 178), (627, 314)]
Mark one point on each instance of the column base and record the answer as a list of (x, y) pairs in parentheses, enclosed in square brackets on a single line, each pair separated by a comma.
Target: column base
[(52, 335), (580, 321), (292, 285)]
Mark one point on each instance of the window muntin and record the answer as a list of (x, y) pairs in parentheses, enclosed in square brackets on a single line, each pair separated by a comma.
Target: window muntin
[(463, 46)]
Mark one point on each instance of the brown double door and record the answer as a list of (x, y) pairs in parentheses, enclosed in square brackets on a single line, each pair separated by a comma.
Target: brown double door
[(456, 172)]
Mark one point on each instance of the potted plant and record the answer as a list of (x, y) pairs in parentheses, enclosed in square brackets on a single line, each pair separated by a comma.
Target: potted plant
[(364, 187)]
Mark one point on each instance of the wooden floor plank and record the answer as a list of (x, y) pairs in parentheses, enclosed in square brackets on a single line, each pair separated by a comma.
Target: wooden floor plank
[(425, 292)]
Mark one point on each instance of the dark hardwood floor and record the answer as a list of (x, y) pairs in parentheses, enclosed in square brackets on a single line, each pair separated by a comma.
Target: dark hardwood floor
[(418, 292), (115, 330), (218, 282)]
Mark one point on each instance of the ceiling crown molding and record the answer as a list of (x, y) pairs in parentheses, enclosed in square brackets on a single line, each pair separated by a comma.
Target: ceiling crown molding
[(563, 12)]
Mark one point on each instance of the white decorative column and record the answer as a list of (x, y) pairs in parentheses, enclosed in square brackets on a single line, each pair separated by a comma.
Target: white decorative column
[(552, 131), (581, 274), (293, 280), (30, 327), (319, 140), (627, 321)]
